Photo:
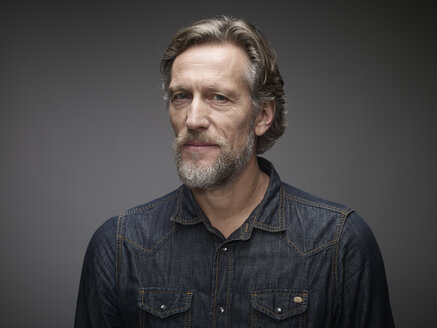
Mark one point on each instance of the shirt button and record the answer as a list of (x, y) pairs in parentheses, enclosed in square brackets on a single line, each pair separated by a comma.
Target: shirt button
[(278, 310), (298, 299), (221, 310), (163, 307)]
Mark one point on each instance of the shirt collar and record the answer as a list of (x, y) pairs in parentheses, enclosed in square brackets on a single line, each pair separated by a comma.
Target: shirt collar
[(267, 216)]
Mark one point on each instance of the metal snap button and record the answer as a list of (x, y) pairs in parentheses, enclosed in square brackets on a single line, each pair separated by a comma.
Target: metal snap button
[(278, 310), (224, 249), (221, 309), (163, 307), (298, 299)]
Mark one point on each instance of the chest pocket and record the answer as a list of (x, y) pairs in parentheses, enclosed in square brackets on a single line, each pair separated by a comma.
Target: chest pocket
[(278, 308), (160, 307)]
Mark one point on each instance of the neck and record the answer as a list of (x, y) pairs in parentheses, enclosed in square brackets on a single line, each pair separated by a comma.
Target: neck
[(229, 206)]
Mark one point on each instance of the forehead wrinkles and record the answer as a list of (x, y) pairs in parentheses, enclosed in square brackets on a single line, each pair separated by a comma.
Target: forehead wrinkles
[(210, 64)]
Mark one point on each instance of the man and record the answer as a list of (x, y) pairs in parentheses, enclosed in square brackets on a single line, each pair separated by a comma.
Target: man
[(233, 246)]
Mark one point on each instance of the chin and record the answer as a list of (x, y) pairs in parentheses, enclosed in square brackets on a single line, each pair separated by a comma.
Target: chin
[(199, 162), (199, 159)]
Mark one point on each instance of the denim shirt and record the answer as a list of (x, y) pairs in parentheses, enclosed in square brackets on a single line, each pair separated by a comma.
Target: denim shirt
[(297, 261)]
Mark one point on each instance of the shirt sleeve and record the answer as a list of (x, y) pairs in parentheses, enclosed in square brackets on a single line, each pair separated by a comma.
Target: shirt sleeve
[(97, 304), (361, 293)]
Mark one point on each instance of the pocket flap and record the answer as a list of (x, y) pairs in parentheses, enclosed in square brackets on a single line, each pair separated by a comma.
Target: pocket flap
[(279, 304), (163, 302)]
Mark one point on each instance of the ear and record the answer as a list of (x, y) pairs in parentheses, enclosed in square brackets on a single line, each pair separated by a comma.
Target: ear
[(265, 118)]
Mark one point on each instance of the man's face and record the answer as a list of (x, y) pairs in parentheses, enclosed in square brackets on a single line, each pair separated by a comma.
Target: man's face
[(211, 113)]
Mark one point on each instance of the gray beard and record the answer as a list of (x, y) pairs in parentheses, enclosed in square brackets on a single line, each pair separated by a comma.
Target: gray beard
[(224, 169)]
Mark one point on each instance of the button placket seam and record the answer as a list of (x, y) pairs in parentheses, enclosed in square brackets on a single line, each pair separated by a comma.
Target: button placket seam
[(214, 307), (228, 296)]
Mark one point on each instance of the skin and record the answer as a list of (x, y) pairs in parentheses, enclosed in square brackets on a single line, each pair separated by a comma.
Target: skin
[(209, 93)]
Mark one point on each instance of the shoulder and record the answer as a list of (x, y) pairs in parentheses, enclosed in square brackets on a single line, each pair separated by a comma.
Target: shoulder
[(102, 242), (143, 226), (316, 223), (158, 204), (149, 213), (143, 221), (305, 199)]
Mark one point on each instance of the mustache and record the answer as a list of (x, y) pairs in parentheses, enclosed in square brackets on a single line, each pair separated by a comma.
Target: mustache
[(190, 136)]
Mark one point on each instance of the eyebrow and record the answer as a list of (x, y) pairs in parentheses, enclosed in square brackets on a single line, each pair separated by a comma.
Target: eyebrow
[(213, 87), (177, 88)]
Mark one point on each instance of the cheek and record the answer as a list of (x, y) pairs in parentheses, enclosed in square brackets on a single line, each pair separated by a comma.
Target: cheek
[(238, 137), (175, 123)]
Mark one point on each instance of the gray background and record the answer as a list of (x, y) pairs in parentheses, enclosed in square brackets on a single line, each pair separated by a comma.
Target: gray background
[(84, 132)]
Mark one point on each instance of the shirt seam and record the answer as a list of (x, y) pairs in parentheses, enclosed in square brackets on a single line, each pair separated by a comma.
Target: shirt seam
[(118, 251), (325, 206), (148, 206), (154, 246), (335, 250), (315, 250)]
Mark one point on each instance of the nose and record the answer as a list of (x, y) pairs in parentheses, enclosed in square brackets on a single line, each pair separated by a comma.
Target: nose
[(197, 115)]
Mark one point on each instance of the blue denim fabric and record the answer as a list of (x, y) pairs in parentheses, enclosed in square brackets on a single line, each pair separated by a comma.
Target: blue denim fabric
[(297, 261)]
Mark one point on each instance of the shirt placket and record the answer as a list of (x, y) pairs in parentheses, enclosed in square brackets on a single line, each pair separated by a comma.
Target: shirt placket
[(222, 286)]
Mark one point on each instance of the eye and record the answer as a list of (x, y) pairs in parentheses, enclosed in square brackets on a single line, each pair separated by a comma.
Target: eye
[(220, 98), (179, 96)]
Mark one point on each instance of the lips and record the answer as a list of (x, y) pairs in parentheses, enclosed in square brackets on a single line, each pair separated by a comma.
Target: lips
[(199, 144)]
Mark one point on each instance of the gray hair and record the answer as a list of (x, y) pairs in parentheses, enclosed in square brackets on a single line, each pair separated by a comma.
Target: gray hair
[(262, 74)]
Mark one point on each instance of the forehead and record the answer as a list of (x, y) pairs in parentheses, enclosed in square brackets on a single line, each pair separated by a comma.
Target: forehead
[(210, 63)]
